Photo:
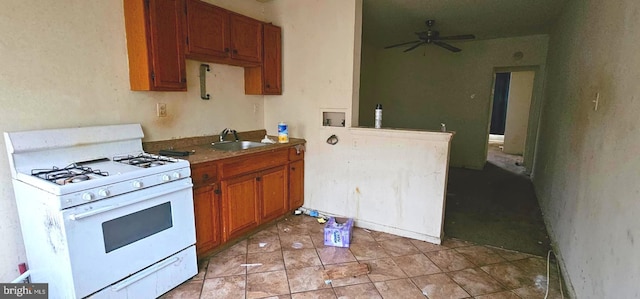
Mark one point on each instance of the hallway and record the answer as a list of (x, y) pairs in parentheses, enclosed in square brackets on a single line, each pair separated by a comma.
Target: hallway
[(495, 206)]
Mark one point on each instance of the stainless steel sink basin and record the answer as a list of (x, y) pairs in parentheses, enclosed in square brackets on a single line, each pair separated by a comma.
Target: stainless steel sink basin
[(236, 145)]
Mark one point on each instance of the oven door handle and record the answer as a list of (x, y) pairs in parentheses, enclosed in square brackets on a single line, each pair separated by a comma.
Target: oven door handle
[(144, 273), (126, 203)]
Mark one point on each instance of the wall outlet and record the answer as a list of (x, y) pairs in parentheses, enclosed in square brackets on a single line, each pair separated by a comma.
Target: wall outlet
[(161, 109)]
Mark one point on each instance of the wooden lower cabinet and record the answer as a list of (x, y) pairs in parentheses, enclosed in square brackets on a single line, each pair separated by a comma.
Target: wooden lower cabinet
[(296, 184), (239, 206), (273, 193), (206, 206), (232, 197)]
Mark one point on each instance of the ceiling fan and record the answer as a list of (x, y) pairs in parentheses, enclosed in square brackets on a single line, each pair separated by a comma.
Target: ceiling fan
[(433, 37)]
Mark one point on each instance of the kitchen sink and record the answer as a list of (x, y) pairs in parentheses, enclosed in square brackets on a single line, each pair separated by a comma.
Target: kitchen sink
[(236, 145)]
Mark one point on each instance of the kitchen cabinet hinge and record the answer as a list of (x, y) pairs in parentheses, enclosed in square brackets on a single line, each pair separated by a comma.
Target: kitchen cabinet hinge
[(153, 76)]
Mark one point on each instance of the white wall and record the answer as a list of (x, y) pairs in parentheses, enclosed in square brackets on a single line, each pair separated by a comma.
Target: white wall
[(430, 85), (64, 64), (587, 165), (520, 92)]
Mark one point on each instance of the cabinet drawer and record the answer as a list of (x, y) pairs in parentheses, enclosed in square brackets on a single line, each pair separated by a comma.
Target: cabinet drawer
[(296, 153), (204, 173), (254, 162)]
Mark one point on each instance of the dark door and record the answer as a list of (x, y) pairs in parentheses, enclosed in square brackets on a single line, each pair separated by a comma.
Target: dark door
[(500, 99)]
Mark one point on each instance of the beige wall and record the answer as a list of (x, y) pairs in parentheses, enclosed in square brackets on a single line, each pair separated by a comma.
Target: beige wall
[(520, 91), (320, 44), (64, 64), (429, 86), (587, 165)]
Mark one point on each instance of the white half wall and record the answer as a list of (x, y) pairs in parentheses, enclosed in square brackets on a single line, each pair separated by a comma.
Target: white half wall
[(398, 180), (520, 92), (587, 165)]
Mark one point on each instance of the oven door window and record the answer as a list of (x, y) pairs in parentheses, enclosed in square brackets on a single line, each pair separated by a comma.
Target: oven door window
[(136, 226)]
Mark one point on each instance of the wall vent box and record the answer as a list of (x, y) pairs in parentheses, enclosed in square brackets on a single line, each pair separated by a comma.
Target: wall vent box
[(333, 119), (338, 232)]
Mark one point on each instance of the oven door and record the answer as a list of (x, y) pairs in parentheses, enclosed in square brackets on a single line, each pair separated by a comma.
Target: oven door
[(111, 239)]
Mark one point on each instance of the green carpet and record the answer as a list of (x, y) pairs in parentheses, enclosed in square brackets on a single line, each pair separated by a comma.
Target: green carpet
[(495, 207)]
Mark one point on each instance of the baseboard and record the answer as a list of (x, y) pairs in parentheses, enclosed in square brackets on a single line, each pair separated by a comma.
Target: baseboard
[(383, 228), (566, 280)]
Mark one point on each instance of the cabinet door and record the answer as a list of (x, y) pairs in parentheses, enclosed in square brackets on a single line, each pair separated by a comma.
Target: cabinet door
[(273, 193), (207, 30), (167, 54), (239, 205), (272, 60), (207, 216), (246, 38), (296, 184)]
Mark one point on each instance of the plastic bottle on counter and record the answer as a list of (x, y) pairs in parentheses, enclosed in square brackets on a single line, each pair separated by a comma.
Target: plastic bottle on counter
[(378, 116), (283, 133)]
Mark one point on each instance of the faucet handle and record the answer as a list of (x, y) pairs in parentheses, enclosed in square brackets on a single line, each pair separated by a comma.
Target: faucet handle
[(235, 135), (223, 134)]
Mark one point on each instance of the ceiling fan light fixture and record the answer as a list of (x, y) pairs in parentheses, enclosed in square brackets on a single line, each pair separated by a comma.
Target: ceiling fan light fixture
[(433, 37)]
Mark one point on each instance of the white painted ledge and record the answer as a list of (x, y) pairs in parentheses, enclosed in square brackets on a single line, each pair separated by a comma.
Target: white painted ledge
[(426, 135)]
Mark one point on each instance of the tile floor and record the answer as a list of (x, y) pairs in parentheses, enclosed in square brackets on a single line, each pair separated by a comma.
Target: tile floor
[(292, 256)]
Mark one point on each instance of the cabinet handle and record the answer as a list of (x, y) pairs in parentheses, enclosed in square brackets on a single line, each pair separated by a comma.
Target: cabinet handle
[(205, 176), (268, 86), (226, 50), (293, 168), (258, 179), (217, 191), (235, 51)]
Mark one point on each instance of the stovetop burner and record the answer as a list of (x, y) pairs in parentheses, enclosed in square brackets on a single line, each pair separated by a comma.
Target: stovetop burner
[(73, 173), (144, 160)]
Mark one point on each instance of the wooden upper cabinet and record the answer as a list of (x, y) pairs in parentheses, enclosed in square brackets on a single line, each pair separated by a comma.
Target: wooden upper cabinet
[(272, 60), (155, 44), (246, 38), (207, 29), (217, 35), (267, 79)]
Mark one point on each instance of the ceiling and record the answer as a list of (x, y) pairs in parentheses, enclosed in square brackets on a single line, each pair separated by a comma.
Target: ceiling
[(387, 22)]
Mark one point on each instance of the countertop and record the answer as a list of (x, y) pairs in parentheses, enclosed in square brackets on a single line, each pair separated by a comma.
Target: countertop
[(202, 151)]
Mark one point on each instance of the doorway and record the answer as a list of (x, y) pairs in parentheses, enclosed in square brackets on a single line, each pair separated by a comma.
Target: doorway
[(511, 105)]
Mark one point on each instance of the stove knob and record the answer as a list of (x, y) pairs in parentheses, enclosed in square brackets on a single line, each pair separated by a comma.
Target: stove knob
[(165, 178), (137, 184), (176, 175), (87, 196), (103, 192)]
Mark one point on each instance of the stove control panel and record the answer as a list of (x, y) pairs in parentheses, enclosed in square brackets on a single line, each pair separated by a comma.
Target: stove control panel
[(122, 187)]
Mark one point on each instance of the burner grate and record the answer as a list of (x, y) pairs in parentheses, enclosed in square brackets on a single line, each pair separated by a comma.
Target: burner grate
[(144, 160), (73, 173)]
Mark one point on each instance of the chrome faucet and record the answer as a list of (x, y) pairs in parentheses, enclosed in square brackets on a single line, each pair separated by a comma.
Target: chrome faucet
[(226, 131)]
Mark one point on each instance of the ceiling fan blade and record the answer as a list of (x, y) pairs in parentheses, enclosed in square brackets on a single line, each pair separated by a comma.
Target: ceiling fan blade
[(456, 37), (447, 46), (414, 46), (402, 44)]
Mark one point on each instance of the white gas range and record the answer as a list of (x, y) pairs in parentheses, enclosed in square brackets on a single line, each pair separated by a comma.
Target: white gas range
[(100, 217)]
